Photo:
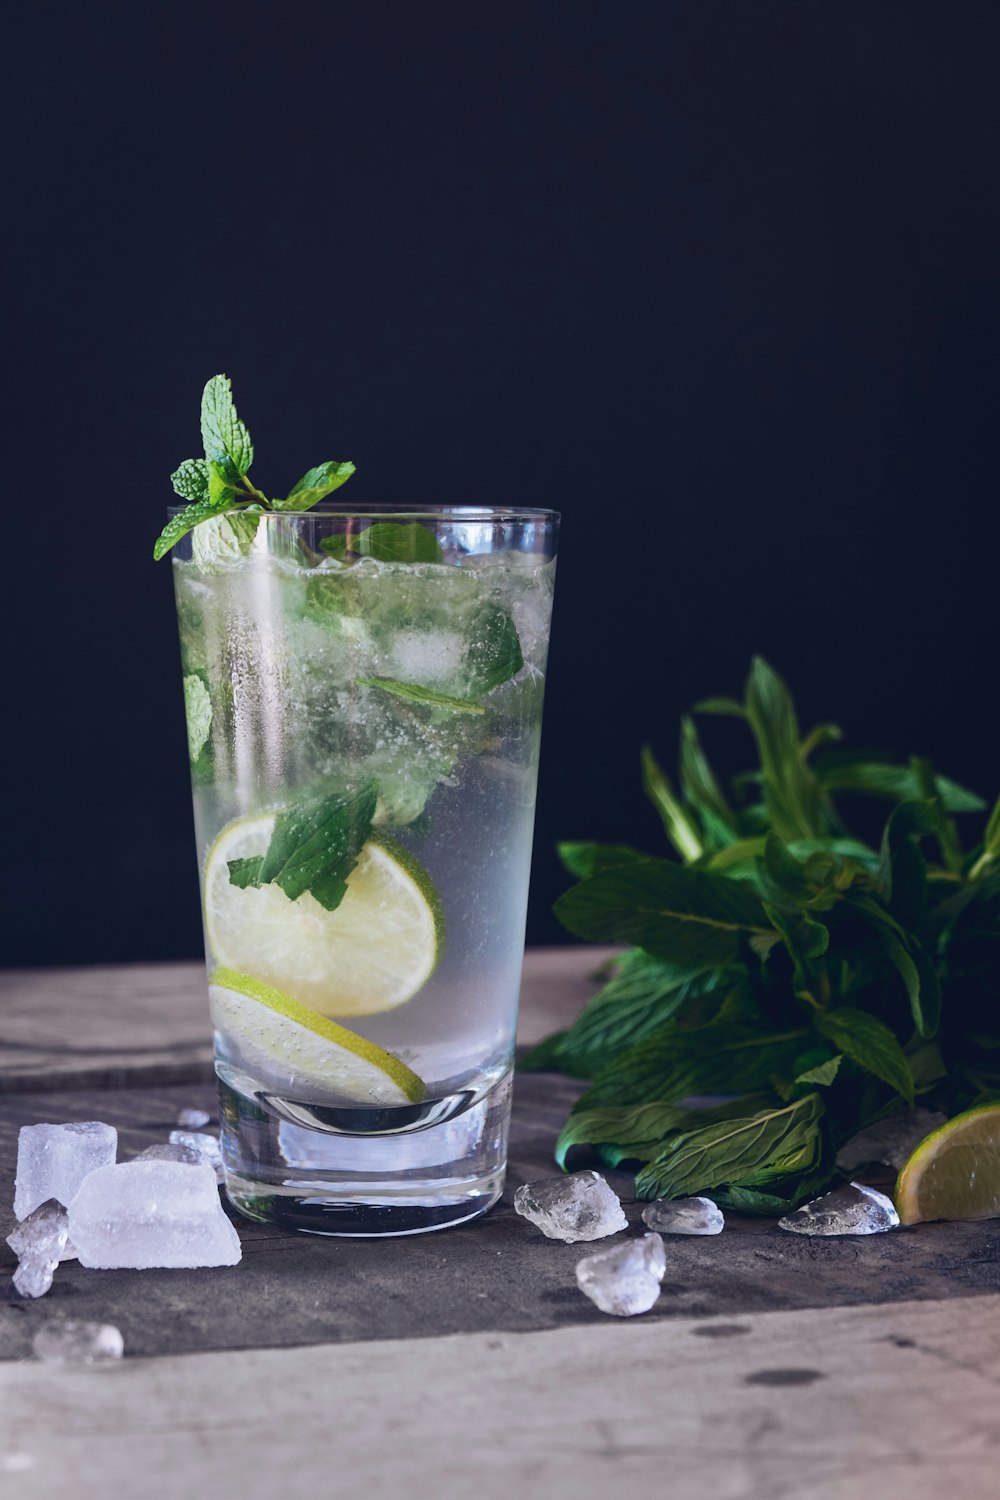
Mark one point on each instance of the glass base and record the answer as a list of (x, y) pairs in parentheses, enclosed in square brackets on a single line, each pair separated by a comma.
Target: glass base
[(325, 1179)]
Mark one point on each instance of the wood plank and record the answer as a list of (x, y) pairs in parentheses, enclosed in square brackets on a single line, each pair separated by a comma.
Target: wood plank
[(498, 1273), (898, 1402), (148, 1023)]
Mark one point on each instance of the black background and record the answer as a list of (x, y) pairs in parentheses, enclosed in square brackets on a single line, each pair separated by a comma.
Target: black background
[(717, 280)]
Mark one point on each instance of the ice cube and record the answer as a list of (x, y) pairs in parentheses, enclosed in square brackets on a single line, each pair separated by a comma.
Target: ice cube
[(152, 1213), (53, 1160), (891, 1140), (684, 1216), (40, 1242), (77, 1343), (206, 1146), (168, 1152), (624, 1279), (852, 1209), (580, 1206), (193, 1119)]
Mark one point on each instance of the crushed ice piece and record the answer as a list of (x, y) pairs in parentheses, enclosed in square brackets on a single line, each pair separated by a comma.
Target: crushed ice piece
[(851, 1209), (193, 1119), (40, 1242), (428, 656), (892, 1140), (624, 1279), (684, 1216), (53, 1160), (74, 1342), (207, 1147), (152, 1213), (580, 1206), (168, 1152)]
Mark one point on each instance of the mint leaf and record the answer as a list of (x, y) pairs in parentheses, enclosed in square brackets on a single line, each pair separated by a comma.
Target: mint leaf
[(222, 540), (823, 1073), (868, 1042), (908, 958), (315, 486), (748, 1152), (245, 872), (224, 435), (387, 541), (902, 869), (583, 860), (179, 525), (412, 692), (850, 772), (791, 793), (494, 652), (222, 490), (314, 847), (190, 480), (676, 819), (702, 790), (680, 914), (198, 712)]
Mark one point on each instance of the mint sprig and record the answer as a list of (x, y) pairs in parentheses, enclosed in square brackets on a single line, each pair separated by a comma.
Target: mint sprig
[(219, 484), (824, 981), (314, 847)]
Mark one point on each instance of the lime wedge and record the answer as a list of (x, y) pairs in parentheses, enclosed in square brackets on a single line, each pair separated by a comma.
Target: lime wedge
[(374, 952), (955, 1172), (291, 1046)]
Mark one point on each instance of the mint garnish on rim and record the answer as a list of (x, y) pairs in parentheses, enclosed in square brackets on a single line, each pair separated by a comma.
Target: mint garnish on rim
[(218, 484)]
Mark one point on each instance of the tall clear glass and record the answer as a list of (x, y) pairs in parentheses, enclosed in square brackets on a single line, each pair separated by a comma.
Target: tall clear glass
[(364, 697)]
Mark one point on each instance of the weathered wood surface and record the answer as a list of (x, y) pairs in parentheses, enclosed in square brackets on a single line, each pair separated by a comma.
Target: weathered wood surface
[(148, 1023), (897, 1403), (498, 1273)]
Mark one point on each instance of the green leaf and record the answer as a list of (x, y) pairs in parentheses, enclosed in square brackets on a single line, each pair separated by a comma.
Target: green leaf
[(190, 480), (219, 541), (902, 870), (412, 692), (869, 1043), (245, 872), (639, 1126), (387, 541), (991, 840), (686, 916), (494, 652), (179, 525), (791, 794), (641, 996), (224, 435), (879, 778), (782, 1197), (702, 790), (583, 860), (221, 490), (315, 486), (676, 1062), (314, 847), (723, 707), (677, 821), (823, 1073), (782, 879), (805, 939), (747, 1152), (912, 964), (198, 712)]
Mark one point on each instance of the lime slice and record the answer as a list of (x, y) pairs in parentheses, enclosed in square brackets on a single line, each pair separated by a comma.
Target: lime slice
[(374, 952), (288, 1044), (955, 1172)]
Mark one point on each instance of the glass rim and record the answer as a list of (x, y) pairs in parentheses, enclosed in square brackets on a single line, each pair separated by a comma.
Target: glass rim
[(461, 514)]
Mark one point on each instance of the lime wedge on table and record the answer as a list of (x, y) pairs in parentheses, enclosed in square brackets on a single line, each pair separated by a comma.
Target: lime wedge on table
[(292, 1044), (955, 1172), (374, 952)]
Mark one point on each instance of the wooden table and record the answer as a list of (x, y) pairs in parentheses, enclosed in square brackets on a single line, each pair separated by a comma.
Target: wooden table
[(467, 1363)]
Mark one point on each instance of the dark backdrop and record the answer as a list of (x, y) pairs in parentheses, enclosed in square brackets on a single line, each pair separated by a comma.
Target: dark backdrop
[(717, 280)]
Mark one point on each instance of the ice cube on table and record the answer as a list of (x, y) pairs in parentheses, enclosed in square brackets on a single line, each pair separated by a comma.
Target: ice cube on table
[(53, 1160), (193, 1119), (167, 1152), (40, 1242), (206, 1146), (152, 1213), (851, 1209), (892, 1140), (624, 1279), (73, 1342), (684, 1216), (579, 1206)]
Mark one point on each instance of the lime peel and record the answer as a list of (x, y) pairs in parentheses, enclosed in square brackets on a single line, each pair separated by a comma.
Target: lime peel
[(955, 1171), (359, 1047)]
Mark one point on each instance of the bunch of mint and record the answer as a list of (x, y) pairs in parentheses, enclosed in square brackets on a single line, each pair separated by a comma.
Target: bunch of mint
[(816, 982), (218, 484)]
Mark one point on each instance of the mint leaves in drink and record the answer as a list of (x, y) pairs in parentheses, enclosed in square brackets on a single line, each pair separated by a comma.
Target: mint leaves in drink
[(314, 847), (820, 980), (219, 484)]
